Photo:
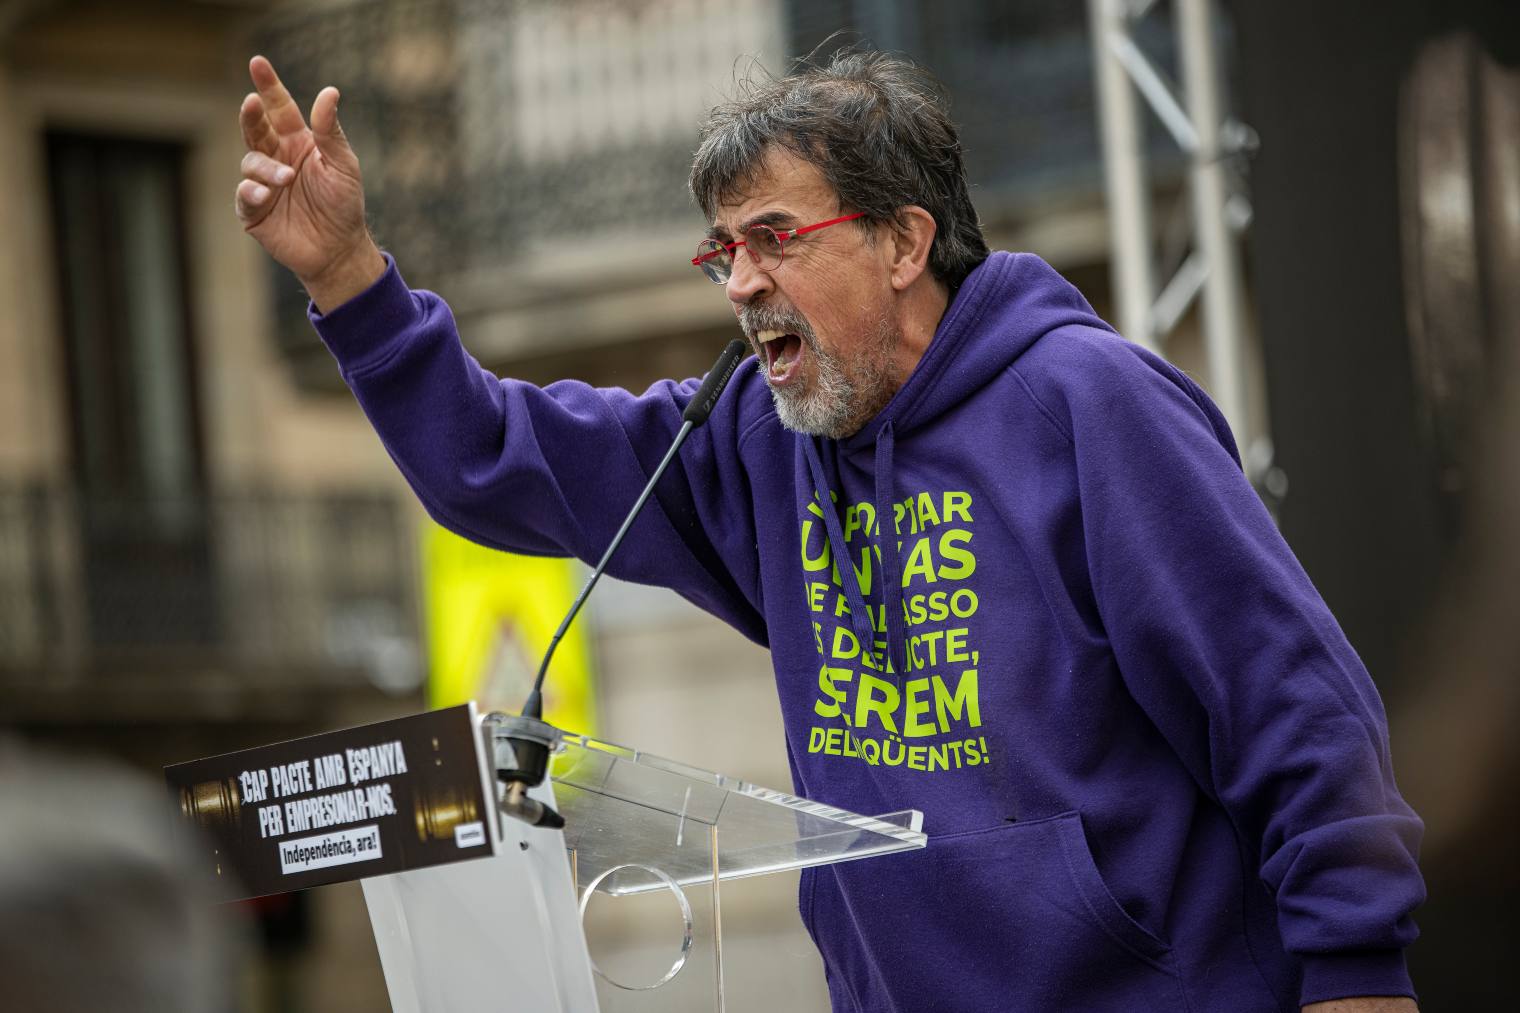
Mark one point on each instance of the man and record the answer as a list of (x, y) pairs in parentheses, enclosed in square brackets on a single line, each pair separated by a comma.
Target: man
[(1153, 772)]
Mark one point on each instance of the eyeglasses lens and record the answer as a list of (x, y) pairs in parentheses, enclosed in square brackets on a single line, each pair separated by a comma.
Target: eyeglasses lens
[(716, 260), (764, 245)]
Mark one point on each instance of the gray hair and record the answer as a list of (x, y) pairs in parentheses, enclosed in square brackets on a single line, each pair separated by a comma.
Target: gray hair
[(102, 905), (875, 125)]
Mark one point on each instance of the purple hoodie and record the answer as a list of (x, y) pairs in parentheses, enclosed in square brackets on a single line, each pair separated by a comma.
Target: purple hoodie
[(1153, 772)]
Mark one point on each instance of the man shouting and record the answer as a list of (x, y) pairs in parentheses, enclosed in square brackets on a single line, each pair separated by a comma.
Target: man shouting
[(1006, 563)]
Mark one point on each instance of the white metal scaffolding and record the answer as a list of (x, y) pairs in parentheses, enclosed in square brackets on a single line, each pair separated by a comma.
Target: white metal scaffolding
[(1199, 126)]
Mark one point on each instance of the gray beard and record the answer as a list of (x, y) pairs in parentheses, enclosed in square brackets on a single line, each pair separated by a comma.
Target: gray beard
[(836, 401)]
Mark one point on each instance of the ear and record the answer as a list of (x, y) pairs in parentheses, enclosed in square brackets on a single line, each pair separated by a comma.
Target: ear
[(911, 239)]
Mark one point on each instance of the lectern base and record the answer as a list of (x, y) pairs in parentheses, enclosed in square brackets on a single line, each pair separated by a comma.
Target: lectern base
[(499, 933)]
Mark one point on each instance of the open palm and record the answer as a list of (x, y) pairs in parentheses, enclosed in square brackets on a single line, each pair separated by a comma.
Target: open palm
[(301, 195)]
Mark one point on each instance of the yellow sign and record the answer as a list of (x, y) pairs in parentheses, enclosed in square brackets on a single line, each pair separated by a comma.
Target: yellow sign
[(490, 616)]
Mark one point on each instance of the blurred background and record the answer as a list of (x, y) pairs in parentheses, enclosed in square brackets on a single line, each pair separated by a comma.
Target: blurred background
[(203, 547)]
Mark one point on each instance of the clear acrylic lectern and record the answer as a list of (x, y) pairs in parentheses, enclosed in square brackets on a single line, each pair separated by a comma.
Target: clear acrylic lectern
[(505, 932)]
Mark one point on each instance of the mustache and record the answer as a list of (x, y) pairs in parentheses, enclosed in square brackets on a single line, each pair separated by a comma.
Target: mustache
[(757, 317)]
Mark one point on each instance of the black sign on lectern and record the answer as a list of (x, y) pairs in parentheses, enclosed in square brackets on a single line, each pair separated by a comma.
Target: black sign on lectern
[(342, 805)]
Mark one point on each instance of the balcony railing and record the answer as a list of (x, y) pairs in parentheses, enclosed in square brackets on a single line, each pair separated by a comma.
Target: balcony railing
[(255, 585)]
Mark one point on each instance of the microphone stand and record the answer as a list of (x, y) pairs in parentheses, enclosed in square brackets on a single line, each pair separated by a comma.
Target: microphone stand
[(523, 742)]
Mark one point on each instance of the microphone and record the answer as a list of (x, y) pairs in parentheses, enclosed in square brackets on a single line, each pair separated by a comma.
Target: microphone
[(522, 743), (702, 405)]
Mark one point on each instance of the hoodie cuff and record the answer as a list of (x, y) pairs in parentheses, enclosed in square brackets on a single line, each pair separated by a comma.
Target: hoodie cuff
[(370, 326), (1358, 973)]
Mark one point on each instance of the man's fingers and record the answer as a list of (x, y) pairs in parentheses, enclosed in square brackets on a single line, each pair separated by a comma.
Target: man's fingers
[(329, 132), (252, 203), (258, 135), (279, 107), (260, 168)]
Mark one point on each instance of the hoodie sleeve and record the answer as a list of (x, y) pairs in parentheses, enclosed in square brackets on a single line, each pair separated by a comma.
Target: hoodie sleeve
[(1225, 643), (554, 470)]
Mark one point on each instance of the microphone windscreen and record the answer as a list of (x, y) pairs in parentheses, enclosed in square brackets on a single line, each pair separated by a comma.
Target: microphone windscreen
[(701, 406)]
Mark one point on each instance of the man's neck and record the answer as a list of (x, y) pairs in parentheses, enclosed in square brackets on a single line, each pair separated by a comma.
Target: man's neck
[(923, 307)]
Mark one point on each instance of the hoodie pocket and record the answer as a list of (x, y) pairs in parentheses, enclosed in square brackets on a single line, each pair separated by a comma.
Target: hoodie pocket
[(1105, 909), (1014, 917)]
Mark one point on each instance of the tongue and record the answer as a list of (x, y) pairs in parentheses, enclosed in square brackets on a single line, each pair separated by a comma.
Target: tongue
[(784, 354)]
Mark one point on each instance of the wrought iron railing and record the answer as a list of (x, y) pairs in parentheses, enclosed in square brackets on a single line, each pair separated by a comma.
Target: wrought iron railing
[(247, 583)]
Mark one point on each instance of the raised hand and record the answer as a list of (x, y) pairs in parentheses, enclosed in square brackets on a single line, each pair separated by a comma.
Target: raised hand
[(302, 196)]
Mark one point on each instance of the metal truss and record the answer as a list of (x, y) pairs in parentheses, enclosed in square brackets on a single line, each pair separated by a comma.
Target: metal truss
[(1195, 119)]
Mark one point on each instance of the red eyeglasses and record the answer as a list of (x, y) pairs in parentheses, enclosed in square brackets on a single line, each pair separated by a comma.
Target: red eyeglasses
[(765, 245)]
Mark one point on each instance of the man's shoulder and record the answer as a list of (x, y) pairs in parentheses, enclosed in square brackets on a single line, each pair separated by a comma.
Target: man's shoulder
[(1076, 362), (1074, 356), (1079, 370)]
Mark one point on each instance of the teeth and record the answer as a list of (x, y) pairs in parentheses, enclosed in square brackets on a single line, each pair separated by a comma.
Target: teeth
[(782, 360)]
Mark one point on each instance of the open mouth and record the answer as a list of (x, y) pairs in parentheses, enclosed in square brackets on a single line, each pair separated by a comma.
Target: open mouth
[(782, 352)]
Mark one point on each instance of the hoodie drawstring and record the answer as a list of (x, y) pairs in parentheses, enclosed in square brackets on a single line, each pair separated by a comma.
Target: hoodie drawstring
[(860, 616), (891, 579)]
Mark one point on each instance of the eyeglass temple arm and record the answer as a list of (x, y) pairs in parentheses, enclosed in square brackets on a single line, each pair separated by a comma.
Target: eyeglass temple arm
[(782, 236), (823, 225)]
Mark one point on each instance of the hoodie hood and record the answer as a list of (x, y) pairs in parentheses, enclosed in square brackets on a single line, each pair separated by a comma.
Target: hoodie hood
[(1004, 306)]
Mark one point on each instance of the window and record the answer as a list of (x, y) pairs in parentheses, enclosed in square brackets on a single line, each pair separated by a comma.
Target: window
[(118, 216)]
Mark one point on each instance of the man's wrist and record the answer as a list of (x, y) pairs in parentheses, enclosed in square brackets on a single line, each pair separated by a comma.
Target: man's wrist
[(346, 277), (1368, 1004)]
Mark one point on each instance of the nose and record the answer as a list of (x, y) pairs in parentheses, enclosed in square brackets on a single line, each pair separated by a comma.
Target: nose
[(747, 282)]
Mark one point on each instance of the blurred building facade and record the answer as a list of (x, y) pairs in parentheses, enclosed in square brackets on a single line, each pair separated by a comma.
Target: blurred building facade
[(203, 546), (193, 556), (184, 534)]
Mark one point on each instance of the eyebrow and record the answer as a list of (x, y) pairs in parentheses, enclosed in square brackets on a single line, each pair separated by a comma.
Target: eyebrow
[(771, 218)]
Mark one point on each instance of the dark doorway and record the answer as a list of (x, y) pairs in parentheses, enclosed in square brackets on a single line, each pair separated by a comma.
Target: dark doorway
[(119, 221)]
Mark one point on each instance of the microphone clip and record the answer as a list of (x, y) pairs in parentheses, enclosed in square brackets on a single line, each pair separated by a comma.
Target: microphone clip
[(520, 748)]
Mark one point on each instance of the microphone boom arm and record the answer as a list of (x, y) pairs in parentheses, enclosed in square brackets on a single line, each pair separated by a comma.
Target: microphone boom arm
[(521, 744), (533, 707)]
